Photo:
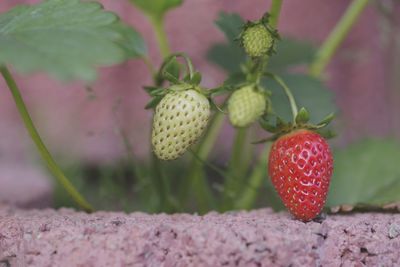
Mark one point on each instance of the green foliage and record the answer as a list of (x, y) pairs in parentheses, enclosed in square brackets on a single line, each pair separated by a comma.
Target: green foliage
[(229, 55), (308, 92), (291, 52), (66, 38), (366, 173), (230, 24), (132, 42), (156, 8)]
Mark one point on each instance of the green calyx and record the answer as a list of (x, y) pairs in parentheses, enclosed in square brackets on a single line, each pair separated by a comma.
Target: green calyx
[(171, 71), (258, 38), (158, 93), (280, 127)]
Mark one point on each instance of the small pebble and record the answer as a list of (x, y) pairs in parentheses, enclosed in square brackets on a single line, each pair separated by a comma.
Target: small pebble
[(394, 230)]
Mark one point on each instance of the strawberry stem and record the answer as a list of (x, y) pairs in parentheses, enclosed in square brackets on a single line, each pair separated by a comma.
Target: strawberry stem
[(44, 152), (169, 59), (275, 11), (247, 199), (158, 26), (288, 93), (248, 190), (196, 174), (336, 37), (238, 166)]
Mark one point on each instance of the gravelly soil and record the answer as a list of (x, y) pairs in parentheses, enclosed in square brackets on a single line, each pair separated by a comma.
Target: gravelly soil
[(257, 238)]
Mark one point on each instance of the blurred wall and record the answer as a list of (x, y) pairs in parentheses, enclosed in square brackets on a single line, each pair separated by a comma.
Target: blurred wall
[(82, 125)]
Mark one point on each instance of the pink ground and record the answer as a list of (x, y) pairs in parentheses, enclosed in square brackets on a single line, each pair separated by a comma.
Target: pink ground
[(257, 238)]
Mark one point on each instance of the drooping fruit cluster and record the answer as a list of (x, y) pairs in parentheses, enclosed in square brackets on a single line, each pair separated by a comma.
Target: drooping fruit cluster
[(178, 122), (300, 167), (257, 40), (245, 105)]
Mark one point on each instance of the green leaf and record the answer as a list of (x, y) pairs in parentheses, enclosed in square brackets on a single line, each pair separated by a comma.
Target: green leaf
[(154, 102), (291, 52), (268, 126), (156, 8), (230, 24), (302, 116), (308, 92), (227, 56), (66, 38), (366, 173), (132, 42), (196, 80), (328, 119), (230, 56)]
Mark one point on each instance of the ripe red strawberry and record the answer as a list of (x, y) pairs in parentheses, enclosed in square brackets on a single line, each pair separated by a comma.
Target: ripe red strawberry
[(300, 166)]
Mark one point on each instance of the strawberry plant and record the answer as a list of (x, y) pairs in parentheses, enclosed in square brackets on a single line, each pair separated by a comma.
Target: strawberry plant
[(273, 83)]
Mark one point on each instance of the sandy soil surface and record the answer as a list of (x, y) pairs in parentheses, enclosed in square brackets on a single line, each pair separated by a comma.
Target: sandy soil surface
[(257, 238)]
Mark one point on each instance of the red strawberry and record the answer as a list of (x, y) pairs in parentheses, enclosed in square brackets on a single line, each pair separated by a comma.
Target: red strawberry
[(300, 166)]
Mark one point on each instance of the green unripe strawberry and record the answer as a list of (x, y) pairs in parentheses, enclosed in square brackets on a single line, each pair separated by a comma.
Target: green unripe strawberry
[(257, 40), (246, 105), (178, 122)]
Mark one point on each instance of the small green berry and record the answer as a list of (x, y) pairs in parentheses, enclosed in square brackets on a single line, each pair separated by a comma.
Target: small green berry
[(246, 105), (257, 40), (179, 121)]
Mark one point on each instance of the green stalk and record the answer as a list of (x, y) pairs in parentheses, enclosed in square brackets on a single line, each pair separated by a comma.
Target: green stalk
[(237, 168), (236, 163), (258, 71), (166, 201), (275, 11), (289, 95), (158, 26), (196, 177), (336, 37), (44, 152), (160, 181), (249, 195)]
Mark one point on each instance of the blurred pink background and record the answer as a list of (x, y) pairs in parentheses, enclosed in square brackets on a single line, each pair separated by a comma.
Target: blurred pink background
[(79, 128)]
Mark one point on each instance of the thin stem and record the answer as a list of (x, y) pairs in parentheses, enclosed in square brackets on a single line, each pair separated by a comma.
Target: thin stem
[(236, 167), (150, 66), (288, 93), (159, 178), (44, 152), (169, 59), (275, 11), (249, 195), (336, 37), (162, 187), (158, 25), (203, 150), (257, 72)]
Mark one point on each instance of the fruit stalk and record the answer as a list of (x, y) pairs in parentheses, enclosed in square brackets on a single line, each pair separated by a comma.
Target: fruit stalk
[(336, 37), (289, 95), (44, 152), (196, 174), (249, 195), (276, 6), (237, 168), (158, 26), (159, 180)]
